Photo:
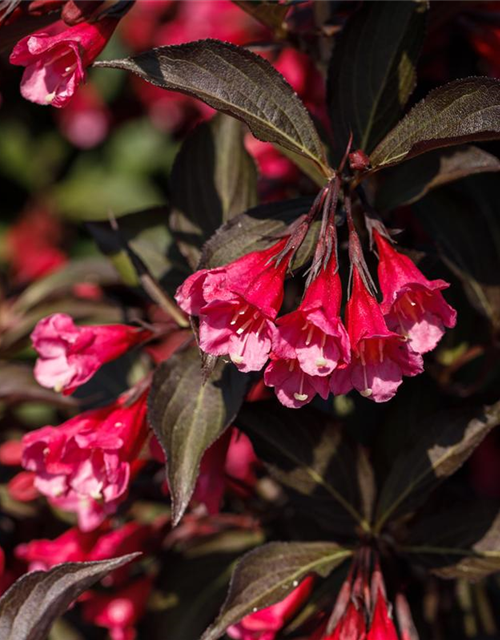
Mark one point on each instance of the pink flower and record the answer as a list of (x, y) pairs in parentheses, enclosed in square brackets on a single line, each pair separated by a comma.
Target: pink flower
[(294, 388), (70, 355), (85, 121), (237, 305), (84, 465), (382, 626), (266, 623), (314, 333), (72, 546), (56, 58), (32, 245), (413, 305), (75, 545), (380, 357), (119, 612), (352, 625), (22, 487)]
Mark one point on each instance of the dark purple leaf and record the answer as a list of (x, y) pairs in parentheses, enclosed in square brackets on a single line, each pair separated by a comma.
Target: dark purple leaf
[(31, 605), (268, 574), (372, 71), (462, 111), (235, 81), (188, 416)]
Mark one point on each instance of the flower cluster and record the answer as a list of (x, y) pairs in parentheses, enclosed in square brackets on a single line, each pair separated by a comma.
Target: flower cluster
[(361, 612), (310, 350)]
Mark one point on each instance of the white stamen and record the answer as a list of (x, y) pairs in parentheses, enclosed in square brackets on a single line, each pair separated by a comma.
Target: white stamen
[(236, 358), (380, 351), (309, 335), (244, 326), (300, 396)]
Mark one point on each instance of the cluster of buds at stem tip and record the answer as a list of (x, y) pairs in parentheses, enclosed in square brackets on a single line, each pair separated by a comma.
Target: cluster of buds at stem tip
[(310, 350), (362, 610)]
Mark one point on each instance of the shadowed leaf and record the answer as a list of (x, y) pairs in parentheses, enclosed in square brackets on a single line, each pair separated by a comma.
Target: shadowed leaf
[(213, 179), (268, 574), (235, 81), (29, 608), (463, 221), (412, 180), (146, 232), (442, 446), (372, 71), (256, 229), (463, 542), (187, 416), (462, 111), (310, 457)]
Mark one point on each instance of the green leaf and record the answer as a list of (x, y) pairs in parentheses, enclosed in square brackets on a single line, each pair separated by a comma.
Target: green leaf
[(256, 229), (91, 192), (462, 542), (409, 182), (443, 444), (213, 179), (237, 82), (317, 466), (188, 416), (465, 110), (147, 234), (29, 608), (372, 70), (268, 574), (462, 218)]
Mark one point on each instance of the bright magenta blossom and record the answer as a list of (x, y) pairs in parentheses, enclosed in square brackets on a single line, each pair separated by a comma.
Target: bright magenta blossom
[(294, 388), (314, 333), (380, 358), (70, 355), (413, 305), (119, 612), (85, 464), (56, 58), (352, 625), (382, 627), (237, 305), (266, 623), (84, 546)]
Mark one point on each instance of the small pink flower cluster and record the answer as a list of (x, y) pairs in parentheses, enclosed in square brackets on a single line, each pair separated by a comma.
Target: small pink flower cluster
[(310, 350), (85, 464)]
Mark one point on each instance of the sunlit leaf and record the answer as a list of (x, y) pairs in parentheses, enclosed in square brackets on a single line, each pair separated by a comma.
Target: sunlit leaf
[(409, 182), (30, 606), (237, 82), (462, 111), (268, 574), (187, 416)]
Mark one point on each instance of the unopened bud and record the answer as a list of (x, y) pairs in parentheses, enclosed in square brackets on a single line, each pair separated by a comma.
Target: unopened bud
[(358, 160)]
